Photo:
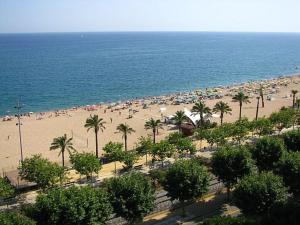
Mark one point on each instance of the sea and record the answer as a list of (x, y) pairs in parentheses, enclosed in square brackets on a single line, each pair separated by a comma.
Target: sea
[(49, 71)]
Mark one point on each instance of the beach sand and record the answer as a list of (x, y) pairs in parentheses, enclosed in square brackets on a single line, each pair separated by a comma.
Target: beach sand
[(37, 134)]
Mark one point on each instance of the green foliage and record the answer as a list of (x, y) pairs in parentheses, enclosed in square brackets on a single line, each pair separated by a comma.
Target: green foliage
[(283, 214), (200, 134), (241, 98), (200, 109), (291, 140), (186, 145), (153, 125), (144, 146), (72, 206), (114, 151), (240, 129), (129, 159), (262, 126), (41, 171), (183, 144), (6, 190), (125, 130), (95, 123), (63, 144), (230, 164), (174, 137), (186, 179), (179, 118), (85, 163), (222, 220), (283, 118), (158, 177), (132, 196), (216, 136), (257, 193), (162, 150), (266, 152), (289, 169), (14, 218), (223, 108)]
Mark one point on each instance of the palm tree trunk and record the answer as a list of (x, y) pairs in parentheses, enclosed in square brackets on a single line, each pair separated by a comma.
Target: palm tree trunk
[(63, 158), (221, 116), (262, 101), (257, 106), (115, 167), (201, 119), (125, 139), (96, 136), (240, 116), (153, 136), (294, 101)]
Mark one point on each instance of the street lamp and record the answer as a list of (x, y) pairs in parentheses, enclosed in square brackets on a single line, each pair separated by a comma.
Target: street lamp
[(18, 107)]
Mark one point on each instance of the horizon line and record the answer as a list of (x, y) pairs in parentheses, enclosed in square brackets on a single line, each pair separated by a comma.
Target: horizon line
[(150, 31)]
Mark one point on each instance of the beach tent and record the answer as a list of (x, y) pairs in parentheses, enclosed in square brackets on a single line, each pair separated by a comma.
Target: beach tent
[(194, 118)]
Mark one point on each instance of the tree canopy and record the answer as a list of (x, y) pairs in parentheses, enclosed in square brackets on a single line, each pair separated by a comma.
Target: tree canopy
[(132, 196), (14, 218), (257, 193), (289, 169), (6, 190), (72, 206), (41, 171), (230, 164), (162, 150), (283, 214), (291, 140), (186, 179), (85, 163), (266, 152)]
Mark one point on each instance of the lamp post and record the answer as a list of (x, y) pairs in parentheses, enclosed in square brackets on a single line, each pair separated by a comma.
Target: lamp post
[(18, 107)]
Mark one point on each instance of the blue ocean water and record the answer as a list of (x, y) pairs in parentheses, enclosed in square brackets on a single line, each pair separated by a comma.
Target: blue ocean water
[(60, 70)]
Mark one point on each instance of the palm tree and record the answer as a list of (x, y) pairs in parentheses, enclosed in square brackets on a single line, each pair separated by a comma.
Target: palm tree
[(96, 123), (179, 118), (294, 92), (261, 94), (223, 108), (298, 103), (154, 125), (201, 109), (241, 98), (125, 129), (257, 107), (63, 143)]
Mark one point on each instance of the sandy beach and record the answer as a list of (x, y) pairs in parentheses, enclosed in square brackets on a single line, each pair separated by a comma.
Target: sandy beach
[(39, 129)]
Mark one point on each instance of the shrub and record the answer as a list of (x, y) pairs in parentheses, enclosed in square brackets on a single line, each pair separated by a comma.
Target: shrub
[(14, 218), (72, 206), (257, 193), (132, 196), (266, 152), (291, 140)]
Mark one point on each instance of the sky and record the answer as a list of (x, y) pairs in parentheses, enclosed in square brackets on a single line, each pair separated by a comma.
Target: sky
[(27, 16)]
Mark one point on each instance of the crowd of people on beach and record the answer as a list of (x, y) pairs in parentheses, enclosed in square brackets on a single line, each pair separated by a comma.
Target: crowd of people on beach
[(252, 88)]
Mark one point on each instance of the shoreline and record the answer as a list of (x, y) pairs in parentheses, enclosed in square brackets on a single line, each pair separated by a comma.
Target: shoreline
[(147, 98), (39, 129)]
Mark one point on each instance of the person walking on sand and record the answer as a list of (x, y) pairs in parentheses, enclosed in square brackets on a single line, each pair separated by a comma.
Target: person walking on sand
[(110, 120)]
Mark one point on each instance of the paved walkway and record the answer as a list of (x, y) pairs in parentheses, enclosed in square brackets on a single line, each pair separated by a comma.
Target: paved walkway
[(211, 205)]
